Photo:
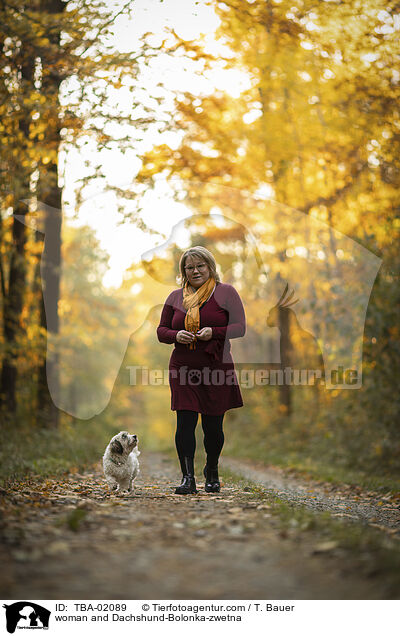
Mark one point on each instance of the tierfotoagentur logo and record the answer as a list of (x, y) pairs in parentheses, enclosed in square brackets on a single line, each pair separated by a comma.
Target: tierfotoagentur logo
[(247, 378), (26, 615)]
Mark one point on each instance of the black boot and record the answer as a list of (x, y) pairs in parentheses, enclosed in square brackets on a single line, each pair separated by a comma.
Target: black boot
[(212, 482), (188, 483)]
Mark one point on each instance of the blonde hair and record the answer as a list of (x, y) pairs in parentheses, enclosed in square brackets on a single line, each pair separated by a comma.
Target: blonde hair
[(205, 255)]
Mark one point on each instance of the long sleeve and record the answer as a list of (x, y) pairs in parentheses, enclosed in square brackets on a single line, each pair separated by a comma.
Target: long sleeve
[(236, 327), (164, 331)]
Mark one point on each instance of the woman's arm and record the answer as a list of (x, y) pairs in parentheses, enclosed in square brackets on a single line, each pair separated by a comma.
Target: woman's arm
[(236, 327), (164, 331)]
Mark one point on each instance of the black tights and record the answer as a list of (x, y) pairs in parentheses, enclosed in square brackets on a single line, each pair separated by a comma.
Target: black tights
[(185, 439)]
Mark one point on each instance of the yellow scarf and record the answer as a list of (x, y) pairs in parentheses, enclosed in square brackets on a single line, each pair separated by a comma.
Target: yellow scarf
[(192, 301)]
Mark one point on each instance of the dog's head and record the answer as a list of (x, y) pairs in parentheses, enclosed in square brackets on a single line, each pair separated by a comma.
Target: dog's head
[(123, 443)]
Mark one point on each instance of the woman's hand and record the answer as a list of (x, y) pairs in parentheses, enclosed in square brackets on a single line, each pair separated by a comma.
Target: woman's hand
[(205, 333), (185, 337)]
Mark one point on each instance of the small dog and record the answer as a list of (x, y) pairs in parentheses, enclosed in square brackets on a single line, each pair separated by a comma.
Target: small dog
[(120, 461)]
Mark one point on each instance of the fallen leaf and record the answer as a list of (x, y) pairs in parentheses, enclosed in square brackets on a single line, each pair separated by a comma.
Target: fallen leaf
[(57, 547), (325, 546)]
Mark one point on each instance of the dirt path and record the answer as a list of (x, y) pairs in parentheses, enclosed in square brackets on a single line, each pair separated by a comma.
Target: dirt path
[(71, 539)]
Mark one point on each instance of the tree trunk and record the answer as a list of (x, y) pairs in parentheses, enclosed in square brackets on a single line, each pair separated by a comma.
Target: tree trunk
[(50, 201), (48, 371), (14, 292), (285, 348), (12, 308)]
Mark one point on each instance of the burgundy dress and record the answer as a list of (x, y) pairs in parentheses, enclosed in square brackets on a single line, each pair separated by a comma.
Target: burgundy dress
[(204, 379)]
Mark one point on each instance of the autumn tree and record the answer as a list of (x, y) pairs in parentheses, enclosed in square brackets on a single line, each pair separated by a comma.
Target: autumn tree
[(59, 66)]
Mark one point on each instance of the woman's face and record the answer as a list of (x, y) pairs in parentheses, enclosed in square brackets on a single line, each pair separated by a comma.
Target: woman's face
[(197, 271)]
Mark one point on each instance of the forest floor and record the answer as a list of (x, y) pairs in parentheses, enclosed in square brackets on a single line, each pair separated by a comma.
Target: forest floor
[(269, 534)]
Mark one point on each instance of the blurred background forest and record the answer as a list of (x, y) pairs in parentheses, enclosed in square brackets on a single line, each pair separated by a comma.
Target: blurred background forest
[(272, 139)]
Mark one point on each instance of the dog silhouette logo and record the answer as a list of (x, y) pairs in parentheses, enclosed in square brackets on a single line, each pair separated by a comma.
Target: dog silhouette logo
[(26, 615), (334, 275)]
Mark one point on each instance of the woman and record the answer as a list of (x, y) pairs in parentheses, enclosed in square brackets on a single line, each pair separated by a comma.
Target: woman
[(200, 318)]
